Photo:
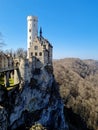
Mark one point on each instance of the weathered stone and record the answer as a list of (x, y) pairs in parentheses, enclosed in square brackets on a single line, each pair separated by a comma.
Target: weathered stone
[(3, 94), (3, 119), (42, 103)]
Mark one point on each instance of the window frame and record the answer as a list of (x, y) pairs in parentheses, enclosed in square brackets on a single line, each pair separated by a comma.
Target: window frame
[(35, 47), (40, 53), (35, 53)]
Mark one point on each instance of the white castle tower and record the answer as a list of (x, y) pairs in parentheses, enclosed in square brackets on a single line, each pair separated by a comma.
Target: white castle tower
[(39, 53), (39, 49), (32, 31)]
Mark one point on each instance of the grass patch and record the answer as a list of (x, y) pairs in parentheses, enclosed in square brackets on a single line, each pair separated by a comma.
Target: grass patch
[(9, 88), (11, 81)]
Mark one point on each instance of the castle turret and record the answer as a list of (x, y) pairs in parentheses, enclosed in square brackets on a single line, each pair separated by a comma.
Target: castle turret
[(40, 32), (32, 31)]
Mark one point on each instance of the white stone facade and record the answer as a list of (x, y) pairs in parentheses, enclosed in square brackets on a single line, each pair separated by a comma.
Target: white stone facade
[(38, 47), (39, 51), (24, 73), (32, 30)]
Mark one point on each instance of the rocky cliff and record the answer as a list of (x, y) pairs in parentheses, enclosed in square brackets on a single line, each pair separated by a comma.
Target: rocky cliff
[(37, 102)]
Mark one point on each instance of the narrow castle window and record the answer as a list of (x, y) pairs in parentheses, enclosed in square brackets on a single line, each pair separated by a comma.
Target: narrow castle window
[(29, 30), (36, 47), (35, 53), (30, 43), (40, 54), (44, 46), (31, 53), (30, 37)]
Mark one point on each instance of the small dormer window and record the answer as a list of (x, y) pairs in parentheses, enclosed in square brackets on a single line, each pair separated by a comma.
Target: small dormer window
[(36, 47), (44, 46)]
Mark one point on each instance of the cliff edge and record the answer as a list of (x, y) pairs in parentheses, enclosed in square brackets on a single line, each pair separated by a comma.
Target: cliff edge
[(37, 102)]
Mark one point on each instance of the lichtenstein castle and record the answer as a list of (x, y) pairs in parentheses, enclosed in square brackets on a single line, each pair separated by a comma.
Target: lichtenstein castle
[(39, 51)]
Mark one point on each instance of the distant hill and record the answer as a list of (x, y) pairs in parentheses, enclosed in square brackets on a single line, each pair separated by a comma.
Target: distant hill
[(78, 86)]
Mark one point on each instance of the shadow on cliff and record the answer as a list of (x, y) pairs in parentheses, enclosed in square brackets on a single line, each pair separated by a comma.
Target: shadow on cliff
[(59, 115), (68, 90), (39, 101)]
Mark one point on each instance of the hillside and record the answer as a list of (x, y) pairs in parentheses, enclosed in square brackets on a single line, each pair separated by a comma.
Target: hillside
[(78, 86)]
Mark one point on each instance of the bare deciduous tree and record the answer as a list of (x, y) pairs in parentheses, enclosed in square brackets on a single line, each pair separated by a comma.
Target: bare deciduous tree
[(21, 52), (78, 85), (1, 40)]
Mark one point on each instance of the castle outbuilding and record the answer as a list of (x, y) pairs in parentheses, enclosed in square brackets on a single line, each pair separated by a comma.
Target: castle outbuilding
[(39, 49)]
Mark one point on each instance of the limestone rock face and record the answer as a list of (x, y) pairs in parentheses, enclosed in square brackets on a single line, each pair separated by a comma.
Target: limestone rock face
[(3, 119), (3, 112), (38, 102), (3, 94)]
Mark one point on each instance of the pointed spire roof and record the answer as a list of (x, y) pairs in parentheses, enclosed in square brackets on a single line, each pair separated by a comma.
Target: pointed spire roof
[(40, 31)]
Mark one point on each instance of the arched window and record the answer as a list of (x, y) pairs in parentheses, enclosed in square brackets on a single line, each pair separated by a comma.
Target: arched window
[(31, 53), (29, 30), (44, 46), (35, 53), (36, 47), (40, 54)]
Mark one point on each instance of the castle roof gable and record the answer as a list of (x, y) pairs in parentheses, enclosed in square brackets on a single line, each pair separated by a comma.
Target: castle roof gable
[(42, 41)]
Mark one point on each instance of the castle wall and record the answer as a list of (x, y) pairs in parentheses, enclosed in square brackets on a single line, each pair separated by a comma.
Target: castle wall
[(25, 70), (16, 77), (24, 73), (36, 50), (50, 55), (46, 53)]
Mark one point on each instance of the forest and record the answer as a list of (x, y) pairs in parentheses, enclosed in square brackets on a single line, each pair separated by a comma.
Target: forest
[(78, 86)]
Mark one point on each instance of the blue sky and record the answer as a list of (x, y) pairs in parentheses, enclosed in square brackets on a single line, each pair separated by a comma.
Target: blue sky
[(70, 25)]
